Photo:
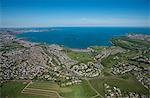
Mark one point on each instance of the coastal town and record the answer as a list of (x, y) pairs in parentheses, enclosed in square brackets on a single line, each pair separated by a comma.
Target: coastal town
[(128, 60)]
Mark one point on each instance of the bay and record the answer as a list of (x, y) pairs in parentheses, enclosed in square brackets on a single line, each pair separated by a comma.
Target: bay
[(80, 37)]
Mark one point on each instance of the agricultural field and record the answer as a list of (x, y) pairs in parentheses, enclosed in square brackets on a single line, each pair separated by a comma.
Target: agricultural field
[(45, 85), (28, 90), (42, 88)]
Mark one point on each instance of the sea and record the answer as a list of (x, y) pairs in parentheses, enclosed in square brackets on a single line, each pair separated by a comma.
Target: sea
[(80, 37)]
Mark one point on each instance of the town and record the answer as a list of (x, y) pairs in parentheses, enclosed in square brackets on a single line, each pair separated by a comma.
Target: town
[(127, 61)]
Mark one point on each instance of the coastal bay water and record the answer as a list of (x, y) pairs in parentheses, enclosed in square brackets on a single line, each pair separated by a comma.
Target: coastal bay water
[(80, 37)]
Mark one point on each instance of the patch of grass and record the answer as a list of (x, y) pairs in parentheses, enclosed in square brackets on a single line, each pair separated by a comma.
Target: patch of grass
[(82, 90), (80, 56), (130, 84), (98, 48), (11, 89), (45, 85), (40, 92), (109, 61), (31, 96), (98, 84), (42, 89)]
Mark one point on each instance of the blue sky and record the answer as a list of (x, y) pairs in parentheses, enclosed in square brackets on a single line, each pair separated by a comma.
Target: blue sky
[(41, 13)]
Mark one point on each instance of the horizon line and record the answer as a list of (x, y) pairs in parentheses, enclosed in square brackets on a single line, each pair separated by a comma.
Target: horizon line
[(70, 26)]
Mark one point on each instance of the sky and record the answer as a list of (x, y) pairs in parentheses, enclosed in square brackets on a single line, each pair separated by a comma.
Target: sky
[(46, 13)]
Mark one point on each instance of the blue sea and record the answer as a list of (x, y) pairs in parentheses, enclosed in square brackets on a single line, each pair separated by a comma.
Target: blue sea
[(80, 37)]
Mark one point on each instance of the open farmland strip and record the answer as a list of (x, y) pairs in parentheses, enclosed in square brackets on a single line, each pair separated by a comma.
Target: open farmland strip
[(41, 91)]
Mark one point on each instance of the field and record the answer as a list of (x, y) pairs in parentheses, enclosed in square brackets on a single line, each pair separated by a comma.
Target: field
[(98, 48), (45, 85), (80, 56), (126, 85), (42, 88), (45, 89), (82, 90), (12, 89)]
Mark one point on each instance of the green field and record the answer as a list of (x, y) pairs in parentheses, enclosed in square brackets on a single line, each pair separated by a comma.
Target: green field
[(98, 48), (45, 85), (42, 88), (126, 85), (82, 90), (12, 89), (36, 90), (80, 56), (40, 92)]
